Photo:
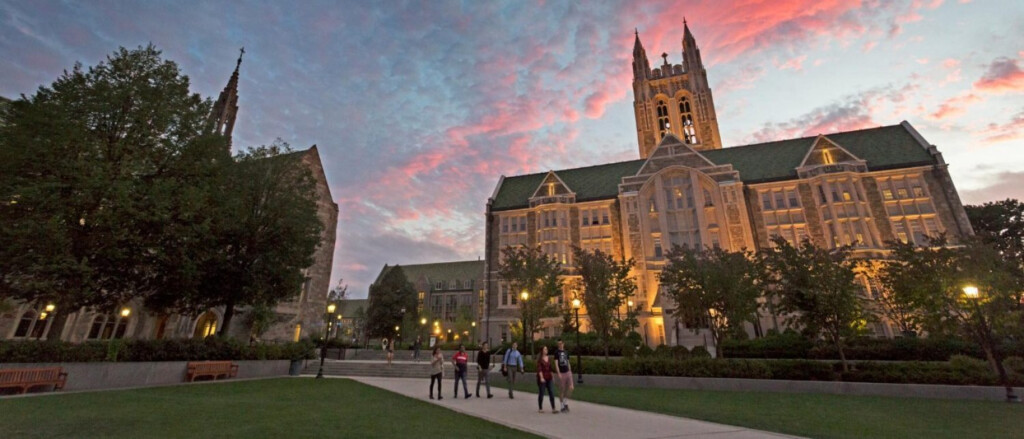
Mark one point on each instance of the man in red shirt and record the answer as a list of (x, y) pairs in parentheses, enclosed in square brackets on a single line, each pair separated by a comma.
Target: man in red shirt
[(461, 362)]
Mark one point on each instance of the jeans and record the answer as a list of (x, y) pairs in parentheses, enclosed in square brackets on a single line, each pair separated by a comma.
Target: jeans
[(481, 375), (435, 377), (460, 374), (540, 394)]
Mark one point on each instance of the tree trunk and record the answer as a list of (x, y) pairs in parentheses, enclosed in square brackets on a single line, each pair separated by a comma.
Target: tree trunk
[(842, 355), (995, 360), (229, 313)]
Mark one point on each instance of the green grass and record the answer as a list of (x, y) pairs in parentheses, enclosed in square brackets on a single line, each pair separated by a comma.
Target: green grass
[(287, 407), (818, 415)]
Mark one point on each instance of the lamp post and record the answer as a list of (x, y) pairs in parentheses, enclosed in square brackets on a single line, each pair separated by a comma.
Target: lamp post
[(972, 294), (629, 315), (473, 324), (125, 312), (323, 343), (524, 296), (579, 358)]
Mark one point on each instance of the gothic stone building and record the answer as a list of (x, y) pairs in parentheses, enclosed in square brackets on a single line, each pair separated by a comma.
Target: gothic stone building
[(295, 318), (859, 188), (450, 295)]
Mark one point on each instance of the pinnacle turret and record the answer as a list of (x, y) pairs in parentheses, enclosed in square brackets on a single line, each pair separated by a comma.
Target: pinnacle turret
[(222, 118)]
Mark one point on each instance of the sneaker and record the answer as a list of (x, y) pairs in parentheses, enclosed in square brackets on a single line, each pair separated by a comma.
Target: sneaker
[(540, 411), (431, 396), (554, 411), (490, 396), (567, 408), (564, 409), (469, 396), (439, 397)]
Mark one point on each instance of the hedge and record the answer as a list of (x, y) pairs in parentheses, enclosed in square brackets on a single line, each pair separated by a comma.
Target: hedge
[(966, 371), (792, 345), (149, 350)]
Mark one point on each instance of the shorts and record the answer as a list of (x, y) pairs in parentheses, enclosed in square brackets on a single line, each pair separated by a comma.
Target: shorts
[(565, 381)]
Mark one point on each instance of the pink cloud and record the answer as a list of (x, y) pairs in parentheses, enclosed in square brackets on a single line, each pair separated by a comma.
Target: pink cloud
[(955, 106), (795, 64), (1011, 130), (1002, 76)]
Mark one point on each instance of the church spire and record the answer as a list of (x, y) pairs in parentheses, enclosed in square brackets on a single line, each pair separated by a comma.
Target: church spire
[(641, 67), (222, 118), (691, 54)]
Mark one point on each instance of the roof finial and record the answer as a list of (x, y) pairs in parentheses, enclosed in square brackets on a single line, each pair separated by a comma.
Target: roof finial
[(636, 31), (240, 53), (684, 20)]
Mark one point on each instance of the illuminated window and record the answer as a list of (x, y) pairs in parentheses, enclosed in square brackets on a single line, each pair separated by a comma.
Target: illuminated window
[(887, 194), (686, 117), (206, 325), (826, 156), (663, 125)]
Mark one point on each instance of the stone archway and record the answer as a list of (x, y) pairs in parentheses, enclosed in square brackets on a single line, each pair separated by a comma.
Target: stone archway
[(206, 325)]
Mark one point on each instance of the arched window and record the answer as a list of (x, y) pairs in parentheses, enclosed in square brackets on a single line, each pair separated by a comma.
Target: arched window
[(686, 118), (107, 326), (32, 324), (25, 324), (663, 124), (206, 325)]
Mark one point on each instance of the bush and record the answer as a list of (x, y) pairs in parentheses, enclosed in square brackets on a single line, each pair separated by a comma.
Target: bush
[(700, 352), (793, 345), (1014, 364), (211, 348)]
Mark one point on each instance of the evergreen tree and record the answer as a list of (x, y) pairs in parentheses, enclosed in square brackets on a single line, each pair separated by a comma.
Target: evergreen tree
[(390, 299)]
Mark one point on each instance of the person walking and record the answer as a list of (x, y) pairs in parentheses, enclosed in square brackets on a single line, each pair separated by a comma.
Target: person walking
[(509, 361), (461, 362), (483, 368), (416, 348), (544, 381), (436, 371), (564, 373), (388, 346)]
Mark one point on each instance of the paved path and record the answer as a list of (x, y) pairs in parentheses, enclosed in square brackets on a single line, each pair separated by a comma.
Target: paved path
[(587, 420)]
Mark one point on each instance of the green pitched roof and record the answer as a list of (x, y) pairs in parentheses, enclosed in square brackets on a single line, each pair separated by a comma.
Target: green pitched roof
[(441, 271), (882, 148)]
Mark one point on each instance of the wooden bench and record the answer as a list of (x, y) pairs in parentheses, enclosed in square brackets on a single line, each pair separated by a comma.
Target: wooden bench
[(26, 379), (212, 369)]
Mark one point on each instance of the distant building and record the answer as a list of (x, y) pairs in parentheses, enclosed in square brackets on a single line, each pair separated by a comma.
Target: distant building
[(859, 188), (294, 319), (449, 296)]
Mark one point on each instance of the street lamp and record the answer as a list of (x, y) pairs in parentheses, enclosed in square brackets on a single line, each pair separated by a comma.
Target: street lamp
[(473, 324), (973, 295), (125, 312), (579, 359), (323, 343), (524, 296)]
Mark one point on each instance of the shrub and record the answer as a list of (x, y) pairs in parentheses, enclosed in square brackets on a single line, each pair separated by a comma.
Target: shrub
[(1014, 364), (700, 352), (211, 348)]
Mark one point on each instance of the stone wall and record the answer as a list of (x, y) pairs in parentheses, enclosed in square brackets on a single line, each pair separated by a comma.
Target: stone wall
[(97, 376)]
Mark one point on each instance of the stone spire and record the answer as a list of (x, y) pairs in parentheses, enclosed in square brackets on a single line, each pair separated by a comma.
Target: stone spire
[(222, 118), (691, 54), (641, 67)]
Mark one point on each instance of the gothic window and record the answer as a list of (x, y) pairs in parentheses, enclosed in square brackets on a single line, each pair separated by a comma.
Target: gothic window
[(686, 118), (106, 327), (663, 125)]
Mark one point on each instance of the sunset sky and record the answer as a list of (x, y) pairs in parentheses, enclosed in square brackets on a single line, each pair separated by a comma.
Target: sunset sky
[(417, 108)]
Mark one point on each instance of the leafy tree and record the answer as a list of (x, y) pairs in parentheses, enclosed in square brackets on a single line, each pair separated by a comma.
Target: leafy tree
[(910, 277), (265, 233), (991, 316), (815, 288), (528, 270), (389, 298), (1000, 224), (606, 286), (96, 172), (713, 285)]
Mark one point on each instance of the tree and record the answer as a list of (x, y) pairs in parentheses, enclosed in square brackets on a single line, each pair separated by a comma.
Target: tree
[(1000, 224), (715, 286), (989, 312), (389, 299), (606, 286), (910, 277), (815, 288), (95, 172), (528, 270), (265, 233)]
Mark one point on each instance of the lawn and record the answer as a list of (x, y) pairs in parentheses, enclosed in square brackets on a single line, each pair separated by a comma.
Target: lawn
[(818, 415), (286, 407)]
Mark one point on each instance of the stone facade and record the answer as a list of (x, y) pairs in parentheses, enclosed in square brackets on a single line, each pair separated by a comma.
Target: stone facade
[(450, 298), (858, 188)]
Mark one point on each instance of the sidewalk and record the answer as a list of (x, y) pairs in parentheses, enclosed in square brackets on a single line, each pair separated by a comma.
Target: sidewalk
[(586, 421)]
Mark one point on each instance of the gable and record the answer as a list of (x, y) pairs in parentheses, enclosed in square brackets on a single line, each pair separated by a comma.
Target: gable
[(551, 186), (826, 152)]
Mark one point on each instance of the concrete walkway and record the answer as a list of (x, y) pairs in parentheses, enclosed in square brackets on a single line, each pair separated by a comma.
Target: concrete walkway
[(586, 421)]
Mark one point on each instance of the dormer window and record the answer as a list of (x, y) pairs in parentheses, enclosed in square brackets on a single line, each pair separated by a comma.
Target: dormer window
[(826, 156), (551, 189)]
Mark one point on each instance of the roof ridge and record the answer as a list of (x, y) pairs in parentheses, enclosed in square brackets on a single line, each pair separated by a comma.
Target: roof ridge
[(805, 137), (556, 171)]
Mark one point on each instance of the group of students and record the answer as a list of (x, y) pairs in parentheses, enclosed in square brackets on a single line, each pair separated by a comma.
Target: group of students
[(512, 361)]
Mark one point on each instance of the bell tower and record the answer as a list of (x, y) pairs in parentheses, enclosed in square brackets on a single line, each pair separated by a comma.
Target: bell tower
[(673, 98)]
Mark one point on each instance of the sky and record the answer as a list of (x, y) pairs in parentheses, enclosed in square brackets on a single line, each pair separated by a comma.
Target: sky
[(417, 108)]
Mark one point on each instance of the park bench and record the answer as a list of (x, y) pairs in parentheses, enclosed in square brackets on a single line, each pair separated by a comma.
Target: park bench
[(26, 379), (212, 369)]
